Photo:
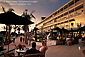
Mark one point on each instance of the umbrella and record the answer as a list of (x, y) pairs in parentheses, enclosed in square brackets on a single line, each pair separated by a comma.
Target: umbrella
[(12, 18), (65, 30), (35, 28), (73, 30), (82, 28)]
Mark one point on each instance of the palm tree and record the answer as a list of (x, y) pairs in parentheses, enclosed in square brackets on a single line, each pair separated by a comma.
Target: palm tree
[(10, 10), (26, 27)]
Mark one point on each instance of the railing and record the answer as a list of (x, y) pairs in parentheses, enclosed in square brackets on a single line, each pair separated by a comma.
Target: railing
[(71, 6), (65, 9), (78, 2), (76, 13)]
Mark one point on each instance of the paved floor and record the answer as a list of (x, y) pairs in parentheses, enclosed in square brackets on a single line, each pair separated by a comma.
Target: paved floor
[(65, 51), (12, 45), (56, 51)]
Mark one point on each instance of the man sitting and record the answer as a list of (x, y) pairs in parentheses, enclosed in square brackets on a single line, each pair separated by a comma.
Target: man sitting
[(33, 49)]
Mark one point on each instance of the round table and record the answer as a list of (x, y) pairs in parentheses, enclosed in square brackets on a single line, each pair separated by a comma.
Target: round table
[(20, 51)]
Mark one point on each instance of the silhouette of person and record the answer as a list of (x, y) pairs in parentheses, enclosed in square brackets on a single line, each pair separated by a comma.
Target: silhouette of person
[(33, 49)]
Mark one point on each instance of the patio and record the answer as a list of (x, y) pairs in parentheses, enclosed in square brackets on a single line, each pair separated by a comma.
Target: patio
[(59, 50), (65, 51)]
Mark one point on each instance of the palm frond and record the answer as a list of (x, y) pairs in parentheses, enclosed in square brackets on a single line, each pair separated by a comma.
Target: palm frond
[(3, 8), (33, 16), (10, 10)]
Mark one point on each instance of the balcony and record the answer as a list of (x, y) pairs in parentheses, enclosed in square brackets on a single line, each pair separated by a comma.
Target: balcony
[(65, 8), (78, 2), (71, 6)]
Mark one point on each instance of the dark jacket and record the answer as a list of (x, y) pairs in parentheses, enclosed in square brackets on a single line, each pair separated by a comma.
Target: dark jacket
[(32, 51)]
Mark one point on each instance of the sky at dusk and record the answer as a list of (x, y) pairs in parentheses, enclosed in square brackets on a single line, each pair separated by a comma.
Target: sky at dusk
[(41, 7)]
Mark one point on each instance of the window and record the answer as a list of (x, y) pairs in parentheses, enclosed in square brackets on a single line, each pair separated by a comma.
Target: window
[(71, 3), (65, 22), (71, 20), (58, 11), (76, 1), (66, 7), (62, 15), (72, 24), (49, 16), (61, 22), (79, 7), (55, 13), (54, 26), (59, 16), (71, 11), (65, 13), (61, 9), (54, 20), (58, 23), (44, 24)]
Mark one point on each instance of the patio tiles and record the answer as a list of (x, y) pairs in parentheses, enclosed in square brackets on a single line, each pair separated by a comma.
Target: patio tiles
[(12, 45), (65, 51), (17, 41), (56, 51)]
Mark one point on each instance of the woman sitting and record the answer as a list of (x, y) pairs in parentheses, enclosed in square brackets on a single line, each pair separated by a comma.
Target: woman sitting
[(43, 48)]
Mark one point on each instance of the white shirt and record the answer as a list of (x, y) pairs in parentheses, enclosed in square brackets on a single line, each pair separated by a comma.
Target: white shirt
[(13, 36), (41, 48), (67, 39)]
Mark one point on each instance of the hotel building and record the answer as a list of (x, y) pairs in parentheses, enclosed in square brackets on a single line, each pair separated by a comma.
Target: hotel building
[(70, 15)]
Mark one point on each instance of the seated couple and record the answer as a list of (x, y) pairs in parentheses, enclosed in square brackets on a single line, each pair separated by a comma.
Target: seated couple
[(34, 50)]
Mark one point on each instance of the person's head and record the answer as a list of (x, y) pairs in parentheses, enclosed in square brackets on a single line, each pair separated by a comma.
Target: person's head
[(33, 45), (43, 43)]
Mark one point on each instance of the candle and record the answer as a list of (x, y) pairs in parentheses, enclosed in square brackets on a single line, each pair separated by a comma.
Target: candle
[(79, 48)]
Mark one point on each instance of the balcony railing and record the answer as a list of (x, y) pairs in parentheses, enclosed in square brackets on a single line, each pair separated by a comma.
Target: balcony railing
[(78, 2), (71, 6)]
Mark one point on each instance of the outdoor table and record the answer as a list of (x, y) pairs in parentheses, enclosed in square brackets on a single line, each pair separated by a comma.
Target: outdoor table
[(21, 51)]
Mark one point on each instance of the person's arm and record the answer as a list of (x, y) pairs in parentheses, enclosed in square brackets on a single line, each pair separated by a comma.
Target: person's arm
[(42, 50)]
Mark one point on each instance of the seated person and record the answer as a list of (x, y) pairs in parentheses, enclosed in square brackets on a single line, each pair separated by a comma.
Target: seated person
[(33, 49), (68, 41), (43, 47)]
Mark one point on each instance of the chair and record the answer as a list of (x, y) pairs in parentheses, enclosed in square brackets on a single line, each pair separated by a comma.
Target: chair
[(33, 55), (9, 54), (83, 52)]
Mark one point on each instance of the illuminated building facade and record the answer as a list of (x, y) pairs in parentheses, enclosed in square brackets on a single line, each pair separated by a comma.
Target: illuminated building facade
[(70, 15)]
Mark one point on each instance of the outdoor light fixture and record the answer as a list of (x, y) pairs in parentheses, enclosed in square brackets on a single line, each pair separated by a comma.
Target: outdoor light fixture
[(79, 48)]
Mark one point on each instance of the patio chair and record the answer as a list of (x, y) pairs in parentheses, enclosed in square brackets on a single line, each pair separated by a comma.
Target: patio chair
[(7, 54), (33, 55), (83, 52), (10, 54)]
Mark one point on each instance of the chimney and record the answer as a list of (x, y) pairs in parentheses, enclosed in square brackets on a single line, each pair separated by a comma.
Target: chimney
[(42, 18)]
